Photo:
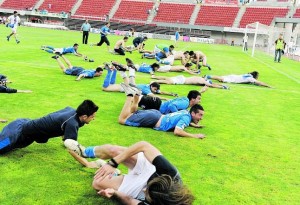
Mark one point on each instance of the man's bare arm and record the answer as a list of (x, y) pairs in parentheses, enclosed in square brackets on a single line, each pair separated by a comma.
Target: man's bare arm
[(182, 133)]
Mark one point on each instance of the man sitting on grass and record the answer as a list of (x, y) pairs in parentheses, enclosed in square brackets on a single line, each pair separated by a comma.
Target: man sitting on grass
[(151, 179), (77, 71), (66, 122), (131, 116)]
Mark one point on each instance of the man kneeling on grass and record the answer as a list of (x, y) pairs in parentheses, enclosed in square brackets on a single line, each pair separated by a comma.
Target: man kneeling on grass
[(151, 179), (153, 118)]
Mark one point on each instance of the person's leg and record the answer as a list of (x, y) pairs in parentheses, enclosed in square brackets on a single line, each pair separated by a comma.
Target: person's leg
[(159, 77), (131, 76), (176, 69), (101, 41), (107, 79), (67, 61), (61, 65), (107, 43), (126, 110), (120, 51), (149, 55), (83, 37), (276, 51), (113, 77), (279, 55), (87, 38), (218, 78)]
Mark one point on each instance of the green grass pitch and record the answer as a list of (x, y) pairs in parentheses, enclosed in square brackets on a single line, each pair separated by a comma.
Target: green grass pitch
[(250, 154)]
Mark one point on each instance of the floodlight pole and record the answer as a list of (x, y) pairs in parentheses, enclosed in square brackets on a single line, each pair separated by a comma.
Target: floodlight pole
[(254, 40)]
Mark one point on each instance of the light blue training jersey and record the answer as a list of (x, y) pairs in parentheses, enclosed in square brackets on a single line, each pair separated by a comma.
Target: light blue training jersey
[(174, 105), (180, 119)]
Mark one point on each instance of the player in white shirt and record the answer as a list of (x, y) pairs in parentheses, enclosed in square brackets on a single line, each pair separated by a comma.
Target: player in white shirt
[(13, 22), (249, 78)]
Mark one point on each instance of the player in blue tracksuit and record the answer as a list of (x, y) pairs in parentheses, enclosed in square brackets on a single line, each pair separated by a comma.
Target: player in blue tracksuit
[(182, 103), (66, 122), (61, 51), (104, 31), (153, 118)]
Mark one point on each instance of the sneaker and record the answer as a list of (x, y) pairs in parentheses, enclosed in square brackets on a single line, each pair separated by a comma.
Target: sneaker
[(106, 66), (118, 66), (85, 58), (142, 56), (225, 87), (127, 89), (199, 67), (18, 42), (209, 68), (55, 57), (75, 147), (136, 89), (7, 37), (206, 77), (43, 47)]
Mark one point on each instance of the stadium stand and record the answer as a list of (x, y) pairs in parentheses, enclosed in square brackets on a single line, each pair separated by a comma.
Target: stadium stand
[(134, 10), (57, 6), (262, 15), (233, 2), (18, 5), (174, 13), (98, 9), (297, 13), (217, 15)]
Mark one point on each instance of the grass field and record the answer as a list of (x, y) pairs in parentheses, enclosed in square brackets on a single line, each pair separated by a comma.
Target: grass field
[(250, 154)]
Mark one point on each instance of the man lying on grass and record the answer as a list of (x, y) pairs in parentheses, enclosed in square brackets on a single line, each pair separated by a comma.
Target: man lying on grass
[(151, 179), (66, 122), (153, 118)]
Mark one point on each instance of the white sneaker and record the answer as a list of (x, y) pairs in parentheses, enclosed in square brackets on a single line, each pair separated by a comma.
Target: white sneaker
[(75, 147), (127, 89)]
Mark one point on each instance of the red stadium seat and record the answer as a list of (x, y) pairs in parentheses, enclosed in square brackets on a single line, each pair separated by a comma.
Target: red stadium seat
[(297, 13), (18, 5), (99, 8), (57, 6)]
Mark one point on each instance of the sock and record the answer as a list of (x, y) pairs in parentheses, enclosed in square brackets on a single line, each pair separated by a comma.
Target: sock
[(90, 152), (123, 74), (165, 62), (131, 72), (113, 77), (107, 79), (208, 77)]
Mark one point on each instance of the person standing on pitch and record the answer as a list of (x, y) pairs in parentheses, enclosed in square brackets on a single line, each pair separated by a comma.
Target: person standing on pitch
[(13, 22), (85, 28), (279, 47), (104, 31), (245, 40)]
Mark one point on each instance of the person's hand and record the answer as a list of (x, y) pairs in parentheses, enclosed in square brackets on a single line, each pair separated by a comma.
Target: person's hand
[(104, 171), (200, 136), (203, 89), (108, 193)]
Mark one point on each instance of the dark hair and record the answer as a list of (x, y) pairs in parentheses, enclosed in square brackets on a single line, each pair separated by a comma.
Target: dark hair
[(75, 44), (15, 12), (171, 46), (254, 74), (193, 94), (196, 108), (188, 65), (163, 190), (87, 107), (125, 38), (191, 53), (155, 84), (145, 38), (154, 65), (99, 69), (107, 23), (186, 52)]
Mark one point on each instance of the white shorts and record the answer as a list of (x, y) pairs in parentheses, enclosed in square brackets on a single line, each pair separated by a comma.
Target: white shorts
[(156, 49), (136, 180), (164, 68), (59, 50), (178, 80), (169, 59)]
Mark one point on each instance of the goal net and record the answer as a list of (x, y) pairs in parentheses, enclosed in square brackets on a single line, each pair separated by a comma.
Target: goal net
[(262, 37)]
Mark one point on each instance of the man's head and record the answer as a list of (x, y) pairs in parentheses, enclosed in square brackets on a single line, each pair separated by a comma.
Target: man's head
[(86, 111), (197, 113), (155, 66), (98, 72), (188, 65), (280, 36), (75, 46), (165, 190), (254, 74), (186, 54), (145, 38), (194, 97), (191, 53), (15, 13), (86, 21), (107, 24), (125, 39), (171, 47), (154, 87)]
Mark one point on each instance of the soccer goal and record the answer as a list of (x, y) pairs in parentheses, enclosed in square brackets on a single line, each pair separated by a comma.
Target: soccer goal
[(262, 37)]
